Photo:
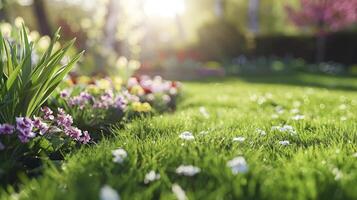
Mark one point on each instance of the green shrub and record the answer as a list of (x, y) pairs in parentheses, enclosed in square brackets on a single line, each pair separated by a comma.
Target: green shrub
[(26, 84)]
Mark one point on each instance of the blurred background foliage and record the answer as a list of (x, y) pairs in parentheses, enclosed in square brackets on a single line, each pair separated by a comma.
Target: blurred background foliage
[(182, 34)]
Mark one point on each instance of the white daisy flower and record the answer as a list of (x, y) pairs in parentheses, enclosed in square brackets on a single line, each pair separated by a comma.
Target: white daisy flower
[(286, 128), (298, 117), (239, 139), (179, 192), (238, 165), (151, 176), (108, 193), (188, 170), (187, 136), (284, 142), (338, 173), (119, 155), (261, 132)]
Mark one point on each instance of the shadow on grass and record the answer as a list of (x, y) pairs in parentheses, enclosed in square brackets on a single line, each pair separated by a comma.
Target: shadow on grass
[(344, 83)]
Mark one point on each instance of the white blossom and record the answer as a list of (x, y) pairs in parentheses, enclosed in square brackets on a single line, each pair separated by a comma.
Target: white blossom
[(286, 128), (261, 132), (151, 176), (239, 139), (284, 142), (338, 173), (298, 117), (179, 192), (187, 136), (238, 165), (108, 193), (119, 155), (187, 170)]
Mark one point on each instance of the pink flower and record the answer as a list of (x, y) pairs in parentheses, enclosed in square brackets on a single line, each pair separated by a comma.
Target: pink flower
[(85, 137), (47, 113), (64, 119), (40, 125), (73, 132), (6, 129)]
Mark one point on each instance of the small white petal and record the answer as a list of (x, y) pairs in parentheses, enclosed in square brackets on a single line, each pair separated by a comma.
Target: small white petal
[(108, 193), (298, 117), (338, 173), (188, 170), (261, 132), (238, 165), (119, 155), (187, 136), (284, 142), (151, 176), (179, 192), (239, 139)]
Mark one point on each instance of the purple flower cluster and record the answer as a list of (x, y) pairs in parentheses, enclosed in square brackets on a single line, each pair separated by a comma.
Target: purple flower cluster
[(40, 125), (121, 102), (81, 100), (63, 119), (65, 122), (105, 101), (24, 126), (27, 128), (6, 129), (47, 113)]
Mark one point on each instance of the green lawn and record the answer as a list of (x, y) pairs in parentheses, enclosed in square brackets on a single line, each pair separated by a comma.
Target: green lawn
[(319, 163)]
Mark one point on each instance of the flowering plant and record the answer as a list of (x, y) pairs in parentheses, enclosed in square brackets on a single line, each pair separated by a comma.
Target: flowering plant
[(48, 134), (96, 104), (26, 82)]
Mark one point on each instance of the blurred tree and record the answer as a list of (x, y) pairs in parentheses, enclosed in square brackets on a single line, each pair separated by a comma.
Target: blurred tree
[(219, 8), (253, 12), (39, 9), (324, 16), (3, 10)]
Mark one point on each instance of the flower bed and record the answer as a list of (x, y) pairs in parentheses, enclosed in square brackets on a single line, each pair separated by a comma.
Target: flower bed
[(98, 103)]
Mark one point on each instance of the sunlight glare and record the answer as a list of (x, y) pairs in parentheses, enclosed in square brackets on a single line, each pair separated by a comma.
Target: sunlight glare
[(164, 8)]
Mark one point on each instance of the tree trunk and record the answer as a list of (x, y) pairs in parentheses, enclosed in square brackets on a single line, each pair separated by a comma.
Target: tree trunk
[(111, 28), (219, 8), (253, 16), (320, 47), (3, 11), (41, 15)]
